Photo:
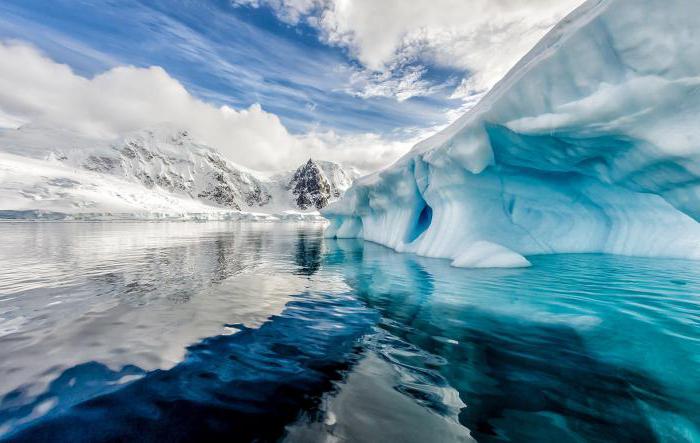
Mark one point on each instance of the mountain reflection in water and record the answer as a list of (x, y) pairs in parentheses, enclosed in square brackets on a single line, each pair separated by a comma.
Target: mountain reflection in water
[(182, 331)]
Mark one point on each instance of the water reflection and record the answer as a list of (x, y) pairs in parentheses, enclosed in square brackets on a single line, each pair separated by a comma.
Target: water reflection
[(129, 294), (247, 386), (526, 377), (262, 332), (308, 253)]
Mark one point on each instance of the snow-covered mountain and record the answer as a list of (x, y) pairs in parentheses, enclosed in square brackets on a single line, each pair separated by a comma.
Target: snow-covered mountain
[(155, 171), (591, 143), (316, 183)]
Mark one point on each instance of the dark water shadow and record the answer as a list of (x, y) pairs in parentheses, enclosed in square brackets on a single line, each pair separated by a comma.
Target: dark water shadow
[(243, 387)]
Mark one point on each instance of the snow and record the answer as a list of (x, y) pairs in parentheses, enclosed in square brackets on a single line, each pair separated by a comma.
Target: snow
[(339, 178), (589, 145), (29, 184), (160, 173)]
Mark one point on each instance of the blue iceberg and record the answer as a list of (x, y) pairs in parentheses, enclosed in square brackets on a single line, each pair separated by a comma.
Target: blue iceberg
[(590, 144)]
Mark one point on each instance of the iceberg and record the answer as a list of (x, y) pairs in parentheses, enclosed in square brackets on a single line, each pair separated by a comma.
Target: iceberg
[(483, 254), (590, 144)]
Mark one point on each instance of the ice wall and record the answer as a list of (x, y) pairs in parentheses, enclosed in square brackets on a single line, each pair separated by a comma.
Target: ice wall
[(590, 144)]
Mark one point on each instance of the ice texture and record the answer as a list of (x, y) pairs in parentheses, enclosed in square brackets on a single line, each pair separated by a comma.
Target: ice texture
[(483, 254), (590, 144)]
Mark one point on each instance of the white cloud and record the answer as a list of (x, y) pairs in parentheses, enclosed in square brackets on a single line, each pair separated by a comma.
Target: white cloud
[(35, 89), (401, 83), (366, 152), (483, 37), (289, 11), (393, 41)]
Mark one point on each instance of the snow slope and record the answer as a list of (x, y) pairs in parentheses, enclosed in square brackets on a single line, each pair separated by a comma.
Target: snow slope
[(590, 144), (311, 186), (156, 173)]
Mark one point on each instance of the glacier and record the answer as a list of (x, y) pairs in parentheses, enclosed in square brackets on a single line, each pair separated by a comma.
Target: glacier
[(590, 144)]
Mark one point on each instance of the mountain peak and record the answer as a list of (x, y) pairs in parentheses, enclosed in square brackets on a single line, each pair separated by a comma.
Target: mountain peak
[(164, 167), (310, 186)]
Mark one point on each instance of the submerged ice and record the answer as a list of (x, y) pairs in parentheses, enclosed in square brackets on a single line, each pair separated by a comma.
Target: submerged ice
[(590, 144)]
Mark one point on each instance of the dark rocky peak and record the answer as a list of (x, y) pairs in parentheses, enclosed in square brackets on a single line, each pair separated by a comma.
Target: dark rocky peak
[(310, 186)]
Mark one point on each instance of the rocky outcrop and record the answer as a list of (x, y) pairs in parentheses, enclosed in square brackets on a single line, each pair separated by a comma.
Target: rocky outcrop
[(173, 162), (310, 186)]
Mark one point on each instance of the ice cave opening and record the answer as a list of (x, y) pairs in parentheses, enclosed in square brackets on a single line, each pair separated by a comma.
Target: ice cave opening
[(422, 223)]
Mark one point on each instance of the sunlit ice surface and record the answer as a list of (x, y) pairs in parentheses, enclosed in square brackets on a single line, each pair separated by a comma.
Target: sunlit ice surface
[(178, 331)]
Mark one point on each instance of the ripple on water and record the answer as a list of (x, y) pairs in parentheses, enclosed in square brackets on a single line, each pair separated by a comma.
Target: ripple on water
[(183, 330)]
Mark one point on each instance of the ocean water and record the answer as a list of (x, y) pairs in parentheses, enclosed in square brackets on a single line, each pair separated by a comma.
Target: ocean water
[(268, 332)]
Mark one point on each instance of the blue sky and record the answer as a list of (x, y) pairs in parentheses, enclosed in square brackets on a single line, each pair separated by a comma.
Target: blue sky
[(376, 75), (225, 55)]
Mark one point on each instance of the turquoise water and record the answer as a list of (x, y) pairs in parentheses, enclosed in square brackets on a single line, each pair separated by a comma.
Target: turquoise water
[(182, 331)]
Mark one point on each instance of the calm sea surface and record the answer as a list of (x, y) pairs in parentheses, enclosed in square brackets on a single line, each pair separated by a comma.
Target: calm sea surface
[(265, 332)]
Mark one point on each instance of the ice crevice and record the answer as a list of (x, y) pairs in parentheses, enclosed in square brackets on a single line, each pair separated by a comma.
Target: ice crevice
[(591, 144)]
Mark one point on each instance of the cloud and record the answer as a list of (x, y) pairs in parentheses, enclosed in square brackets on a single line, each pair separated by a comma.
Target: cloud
[(289, 11), (366, 152), (402, 83), (35, 89), (482, 37)]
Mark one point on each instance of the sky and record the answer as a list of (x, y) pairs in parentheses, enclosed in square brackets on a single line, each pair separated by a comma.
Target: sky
[(268, 82)]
